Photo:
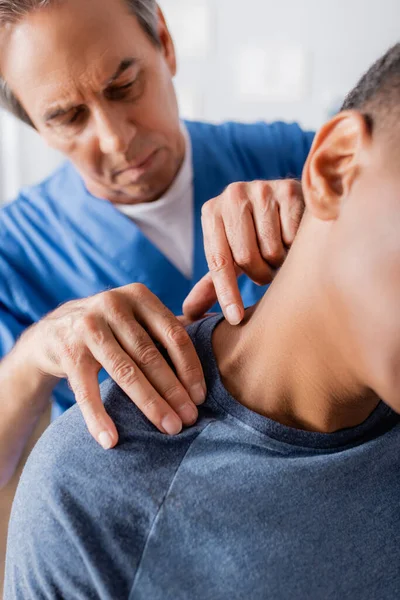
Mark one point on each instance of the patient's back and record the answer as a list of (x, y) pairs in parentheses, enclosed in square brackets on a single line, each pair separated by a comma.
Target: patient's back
[(236, 507)]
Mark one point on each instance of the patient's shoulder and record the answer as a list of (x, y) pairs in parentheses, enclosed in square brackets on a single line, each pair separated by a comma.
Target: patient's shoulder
[(68, 456), (80, 509), (68, 452), (69, 470)]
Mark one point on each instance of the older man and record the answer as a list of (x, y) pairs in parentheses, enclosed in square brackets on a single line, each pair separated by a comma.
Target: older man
[(95, 80)]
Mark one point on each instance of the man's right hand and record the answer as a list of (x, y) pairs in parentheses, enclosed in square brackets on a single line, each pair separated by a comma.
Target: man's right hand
[(112, 331)]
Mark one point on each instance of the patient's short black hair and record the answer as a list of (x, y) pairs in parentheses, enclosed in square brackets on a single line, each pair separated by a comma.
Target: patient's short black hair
[(377, 94)]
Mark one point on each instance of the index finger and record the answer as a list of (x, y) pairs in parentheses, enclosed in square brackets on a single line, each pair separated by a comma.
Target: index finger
[(200, 299), (222, 268)]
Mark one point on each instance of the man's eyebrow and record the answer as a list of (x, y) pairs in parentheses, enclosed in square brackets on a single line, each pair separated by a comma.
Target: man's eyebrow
[(122, 67), (53, 113)]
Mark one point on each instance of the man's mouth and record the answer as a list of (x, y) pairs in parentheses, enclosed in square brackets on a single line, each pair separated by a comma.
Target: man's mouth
[(136, 168)]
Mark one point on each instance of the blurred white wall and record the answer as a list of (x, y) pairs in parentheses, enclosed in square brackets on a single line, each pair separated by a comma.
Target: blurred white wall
[(275, 59), (246, 60), (24, 157)]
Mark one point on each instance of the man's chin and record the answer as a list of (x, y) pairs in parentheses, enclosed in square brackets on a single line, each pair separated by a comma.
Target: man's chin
[(133, 195), (129, 194)]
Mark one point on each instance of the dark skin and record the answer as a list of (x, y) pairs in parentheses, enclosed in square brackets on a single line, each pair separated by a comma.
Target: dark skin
[(322, 347)]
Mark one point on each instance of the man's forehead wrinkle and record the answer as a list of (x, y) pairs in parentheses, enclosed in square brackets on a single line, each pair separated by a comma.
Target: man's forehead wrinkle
[(72, 86), (97, 73), (56, 96), (71, 90)]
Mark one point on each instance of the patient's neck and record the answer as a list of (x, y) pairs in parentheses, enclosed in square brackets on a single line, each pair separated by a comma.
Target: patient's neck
[(284, 361)]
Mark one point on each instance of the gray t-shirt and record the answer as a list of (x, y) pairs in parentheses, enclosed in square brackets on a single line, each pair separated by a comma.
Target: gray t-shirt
[(236, 507)]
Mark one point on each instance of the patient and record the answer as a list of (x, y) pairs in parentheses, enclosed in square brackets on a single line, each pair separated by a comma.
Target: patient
[(288, 487)]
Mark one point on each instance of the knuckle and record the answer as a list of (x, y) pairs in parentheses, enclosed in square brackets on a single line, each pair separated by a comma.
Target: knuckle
[(178, 335), (236, 188), (125, 374), (266, 191), (267, 202), (150, 403), (217, 262), (89, 322), (294, 192), (107, 301), (246, 258), (293, 187), (82, 395), (98, 336), (238, 195), (81, 391), (147, 355), (296, 212), (139, 287), (172, 393), (274, 256), (89, 326), (193, 373), (225, 297), (265, 187), (140, 291), (273, 252)]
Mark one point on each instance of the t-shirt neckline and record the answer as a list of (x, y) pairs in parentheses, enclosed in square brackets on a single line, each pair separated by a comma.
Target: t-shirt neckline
[(380, 420)]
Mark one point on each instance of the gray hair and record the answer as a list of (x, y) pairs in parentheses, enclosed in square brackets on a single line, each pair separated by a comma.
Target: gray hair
[(11, 11)]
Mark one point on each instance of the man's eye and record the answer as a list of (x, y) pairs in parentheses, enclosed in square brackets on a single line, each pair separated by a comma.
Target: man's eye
[(123, 91), (126, 86), (74, 118), (77, 114)]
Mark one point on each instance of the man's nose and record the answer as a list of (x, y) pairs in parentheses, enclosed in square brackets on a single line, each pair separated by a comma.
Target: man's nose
[(113, 132)]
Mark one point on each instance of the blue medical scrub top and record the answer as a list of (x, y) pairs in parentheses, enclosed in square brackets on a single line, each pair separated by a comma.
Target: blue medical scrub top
[(59, 243)]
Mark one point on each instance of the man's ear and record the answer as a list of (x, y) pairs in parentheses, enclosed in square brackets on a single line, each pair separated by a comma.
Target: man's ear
[(167, 45), (333, 163)]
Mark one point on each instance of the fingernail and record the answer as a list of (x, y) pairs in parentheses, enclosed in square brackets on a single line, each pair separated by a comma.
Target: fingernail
[(197, 393), (234, 314), (105, 440), (171, 425), (188, 414)]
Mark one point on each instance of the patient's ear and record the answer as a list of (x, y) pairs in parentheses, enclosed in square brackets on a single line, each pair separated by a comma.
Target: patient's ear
[(333, 163)]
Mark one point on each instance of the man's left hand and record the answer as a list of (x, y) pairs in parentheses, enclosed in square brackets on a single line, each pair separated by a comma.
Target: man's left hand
[(247, 229)]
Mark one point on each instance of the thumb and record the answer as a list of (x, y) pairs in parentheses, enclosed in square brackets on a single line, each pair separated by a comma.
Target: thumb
[(201, 298)]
